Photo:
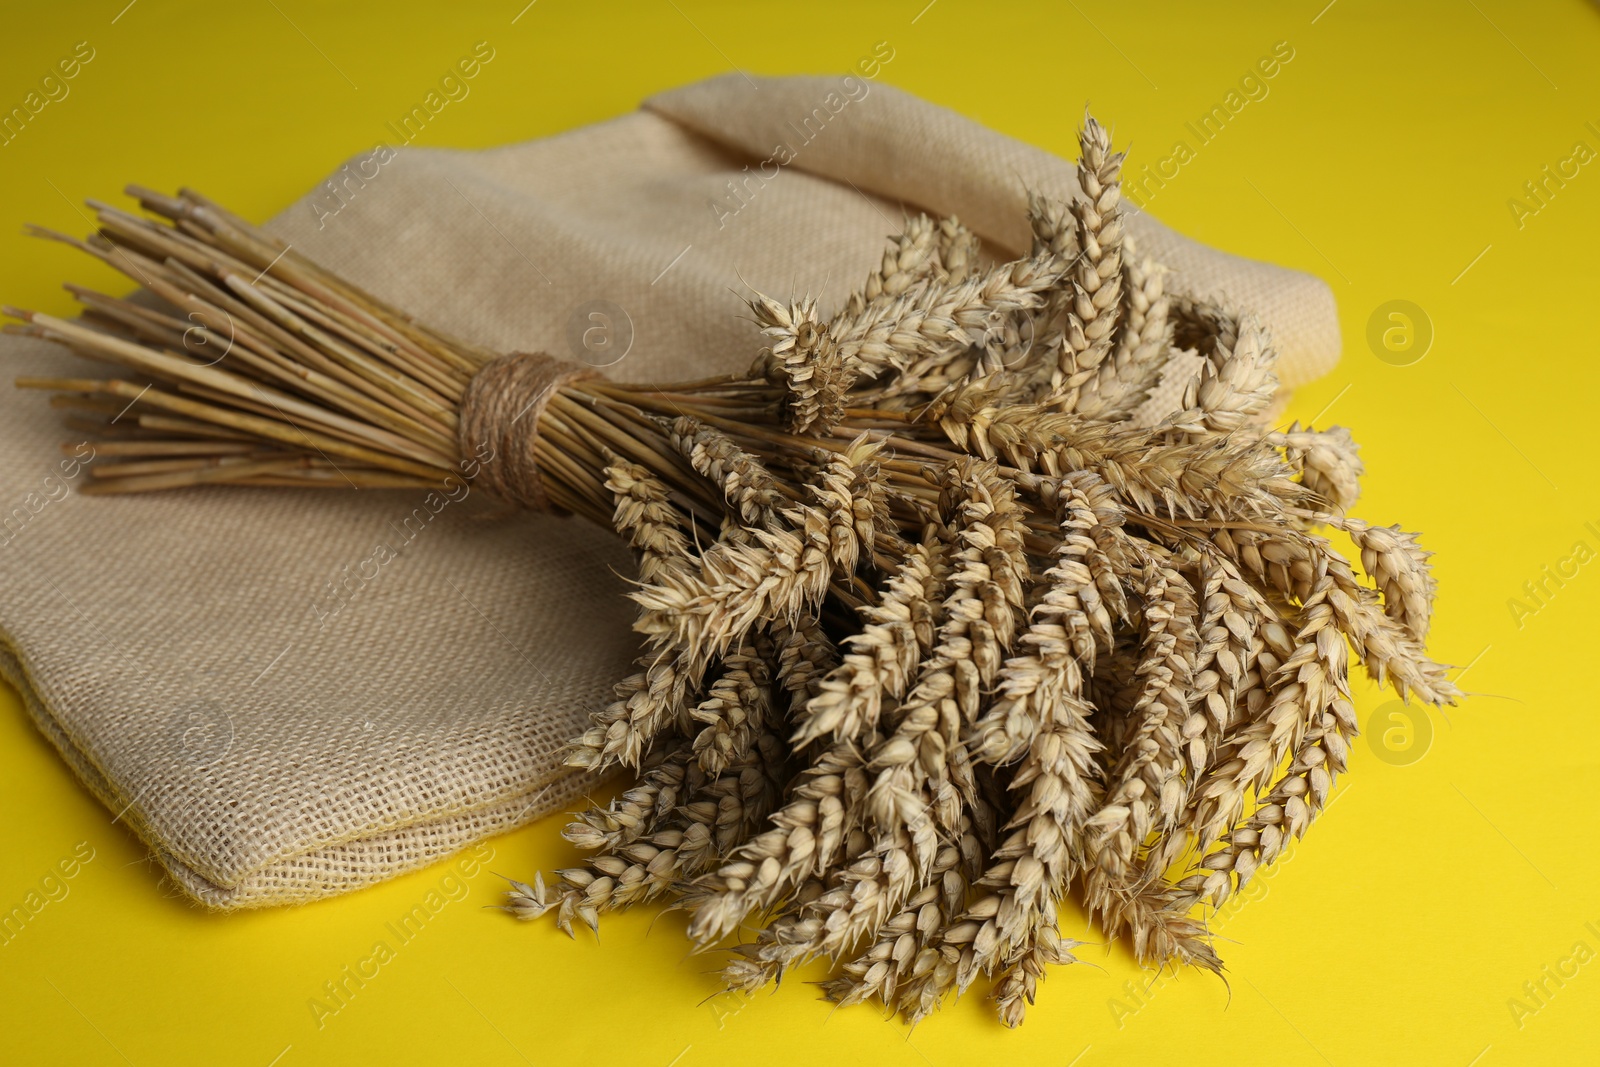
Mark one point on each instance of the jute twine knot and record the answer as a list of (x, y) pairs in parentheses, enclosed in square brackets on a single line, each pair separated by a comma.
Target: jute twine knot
[(501, 409)]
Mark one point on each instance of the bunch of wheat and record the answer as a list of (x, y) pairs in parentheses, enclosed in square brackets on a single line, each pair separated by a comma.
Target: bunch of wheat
[(936, 630)]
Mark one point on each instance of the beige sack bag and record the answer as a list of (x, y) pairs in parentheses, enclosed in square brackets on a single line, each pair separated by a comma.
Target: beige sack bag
[(291, 694)]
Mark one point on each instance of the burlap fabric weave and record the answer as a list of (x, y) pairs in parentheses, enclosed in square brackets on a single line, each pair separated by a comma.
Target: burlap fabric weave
[(290, 694)]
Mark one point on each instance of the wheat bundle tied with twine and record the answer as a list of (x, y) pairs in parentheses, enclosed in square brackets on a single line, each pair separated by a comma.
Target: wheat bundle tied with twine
[(936, 631)]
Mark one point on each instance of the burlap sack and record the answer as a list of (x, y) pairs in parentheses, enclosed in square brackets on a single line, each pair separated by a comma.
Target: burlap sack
[(279, 716)]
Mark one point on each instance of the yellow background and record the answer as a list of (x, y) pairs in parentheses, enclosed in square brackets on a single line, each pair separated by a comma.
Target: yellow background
[(1382, 159)]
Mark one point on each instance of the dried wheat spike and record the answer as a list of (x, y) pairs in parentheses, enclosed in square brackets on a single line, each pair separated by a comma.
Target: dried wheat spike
[(857, 900), (1143, 342), (806, 835), (1019, 981), (645, 515), (750, 490), (1329, 463), (1068, 625), (922, 777), (882, 659), (911, 256), (648, 702), (769, 574), (934, 323), (1097, 277), (736, 710), (1399, 566), (805, 655), (903, 939), (1236, 382), (637, 811), (722, 809), (803, 355)]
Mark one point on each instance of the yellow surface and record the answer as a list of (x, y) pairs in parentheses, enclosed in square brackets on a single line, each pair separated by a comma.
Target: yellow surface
[(1382, 158)]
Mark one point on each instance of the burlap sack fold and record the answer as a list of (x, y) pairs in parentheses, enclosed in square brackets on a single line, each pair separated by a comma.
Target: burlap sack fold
[(290, 694)]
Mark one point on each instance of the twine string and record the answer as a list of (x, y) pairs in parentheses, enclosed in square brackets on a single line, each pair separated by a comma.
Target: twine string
[(500, 409)]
